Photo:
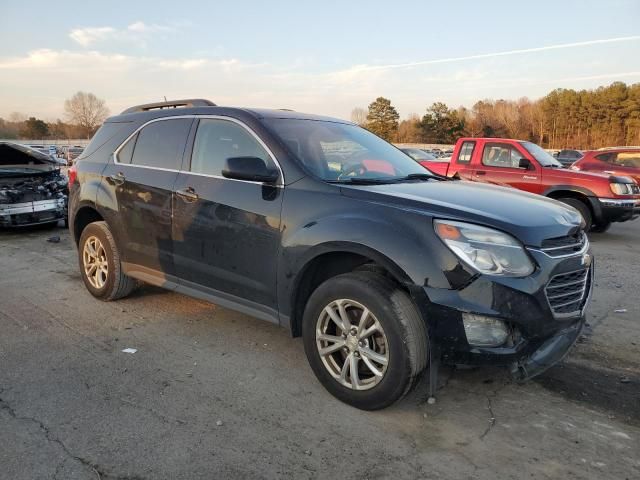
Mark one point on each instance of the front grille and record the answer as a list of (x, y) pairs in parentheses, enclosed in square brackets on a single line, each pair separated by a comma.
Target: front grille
[(561, 246), (567, 292)]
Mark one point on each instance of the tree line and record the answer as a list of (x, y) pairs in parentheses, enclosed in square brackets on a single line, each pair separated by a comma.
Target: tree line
[(564, 118), (84, 113)]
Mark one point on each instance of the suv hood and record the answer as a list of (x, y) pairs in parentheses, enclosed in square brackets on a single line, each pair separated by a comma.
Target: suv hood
[(530, 218)]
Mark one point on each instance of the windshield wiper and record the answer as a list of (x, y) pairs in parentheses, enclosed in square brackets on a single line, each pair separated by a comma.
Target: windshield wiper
[(424, 176), (363, 181)]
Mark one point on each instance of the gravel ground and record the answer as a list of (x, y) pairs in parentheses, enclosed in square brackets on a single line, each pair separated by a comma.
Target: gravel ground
[(211, 393)]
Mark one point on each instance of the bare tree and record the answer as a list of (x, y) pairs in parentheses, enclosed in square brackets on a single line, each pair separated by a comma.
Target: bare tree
[(359, 116), (87, 111)]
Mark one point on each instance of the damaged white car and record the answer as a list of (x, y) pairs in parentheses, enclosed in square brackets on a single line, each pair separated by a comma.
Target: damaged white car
[(32, 188)]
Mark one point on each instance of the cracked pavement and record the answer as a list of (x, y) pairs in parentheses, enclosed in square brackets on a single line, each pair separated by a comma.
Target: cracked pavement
[(211, 393)]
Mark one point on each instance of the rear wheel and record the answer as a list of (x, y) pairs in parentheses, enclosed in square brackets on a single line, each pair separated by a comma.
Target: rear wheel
[(601, 227), (583, 208), (100, 265), (364, 339)]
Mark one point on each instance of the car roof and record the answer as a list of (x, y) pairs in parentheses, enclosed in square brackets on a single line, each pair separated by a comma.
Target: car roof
[(258, 113)]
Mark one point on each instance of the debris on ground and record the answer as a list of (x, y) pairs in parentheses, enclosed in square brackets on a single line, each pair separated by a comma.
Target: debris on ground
[(219, 423), (54, 239), (625, 380), (130, 350), (620, 310)]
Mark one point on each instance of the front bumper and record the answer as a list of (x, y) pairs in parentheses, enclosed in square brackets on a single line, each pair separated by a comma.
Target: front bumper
[(33, 213), (543, 328), (616, 210)]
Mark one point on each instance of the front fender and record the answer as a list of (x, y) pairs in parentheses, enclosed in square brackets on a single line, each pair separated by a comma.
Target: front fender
[(402, 241)]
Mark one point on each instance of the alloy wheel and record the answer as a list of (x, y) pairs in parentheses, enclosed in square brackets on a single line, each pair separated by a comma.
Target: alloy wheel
[(352, 344), (94, 259)]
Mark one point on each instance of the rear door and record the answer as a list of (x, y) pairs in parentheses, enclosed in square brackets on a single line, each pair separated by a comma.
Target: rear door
[(142, 176), (499, 165), (226, 233)]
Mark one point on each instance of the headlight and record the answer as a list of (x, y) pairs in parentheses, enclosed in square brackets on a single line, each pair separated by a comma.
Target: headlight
[(484, 249), (621, 188)]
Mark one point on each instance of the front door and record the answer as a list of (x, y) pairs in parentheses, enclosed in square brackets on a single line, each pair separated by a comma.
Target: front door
[(500, 166), (226, 233)]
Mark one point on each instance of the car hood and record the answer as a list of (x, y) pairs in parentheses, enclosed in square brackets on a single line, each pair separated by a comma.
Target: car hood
[(531, 218), (15, 154)]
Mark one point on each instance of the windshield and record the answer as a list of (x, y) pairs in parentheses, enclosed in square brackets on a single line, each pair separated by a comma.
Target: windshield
[(343, 152), (543, 157), (419, 155)]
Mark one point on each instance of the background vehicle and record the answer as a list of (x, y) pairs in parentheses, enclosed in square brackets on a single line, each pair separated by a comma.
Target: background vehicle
[(419, 155), (567, 157), (32, 189), (318, 225), (616, 161), (72, 153), (601, 199)]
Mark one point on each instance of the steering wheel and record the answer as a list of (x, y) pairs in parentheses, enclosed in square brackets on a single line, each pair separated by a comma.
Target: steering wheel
[(354, 164), (357, 167)]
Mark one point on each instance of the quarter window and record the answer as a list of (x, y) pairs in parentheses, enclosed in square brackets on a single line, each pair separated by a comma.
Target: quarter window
[(161, 144), (501, 155), (126, 152), (465, 152), (217, 140)]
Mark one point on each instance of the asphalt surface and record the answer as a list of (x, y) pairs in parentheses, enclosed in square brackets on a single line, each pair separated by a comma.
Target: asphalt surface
[(211, 393)]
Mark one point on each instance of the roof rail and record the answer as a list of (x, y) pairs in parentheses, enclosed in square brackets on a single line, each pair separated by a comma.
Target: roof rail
[(191, 102)]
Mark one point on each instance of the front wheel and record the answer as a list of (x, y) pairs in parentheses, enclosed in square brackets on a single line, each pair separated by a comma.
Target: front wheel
[(364, 339)]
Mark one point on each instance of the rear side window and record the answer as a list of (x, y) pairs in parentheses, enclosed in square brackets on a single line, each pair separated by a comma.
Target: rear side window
[(216, 140), (161, 144), (464, 156), (501, 155)]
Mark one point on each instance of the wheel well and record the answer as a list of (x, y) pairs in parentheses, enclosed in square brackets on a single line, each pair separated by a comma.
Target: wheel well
[(322, 268), (569, 194), (84, 217)]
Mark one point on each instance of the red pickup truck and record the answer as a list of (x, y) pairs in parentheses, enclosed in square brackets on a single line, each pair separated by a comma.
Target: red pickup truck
[(601, 199)]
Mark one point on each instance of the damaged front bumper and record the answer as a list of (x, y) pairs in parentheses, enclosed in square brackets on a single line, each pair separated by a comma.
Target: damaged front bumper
[(33, 213), (544, 314)]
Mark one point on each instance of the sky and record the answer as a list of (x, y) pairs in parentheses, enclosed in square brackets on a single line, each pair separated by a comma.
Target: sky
[(326, 57)]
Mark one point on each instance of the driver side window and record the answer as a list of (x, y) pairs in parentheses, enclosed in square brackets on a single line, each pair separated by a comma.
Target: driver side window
[(501, 155)]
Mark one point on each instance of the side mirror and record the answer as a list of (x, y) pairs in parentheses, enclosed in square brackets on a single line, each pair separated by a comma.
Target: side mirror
[(253, 169), (524, 164)]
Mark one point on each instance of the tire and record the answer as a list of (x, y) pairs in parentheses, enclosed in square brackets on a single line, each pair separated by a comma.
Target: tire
[(112, 284), (601, 227), (583, 208), (402, 339)]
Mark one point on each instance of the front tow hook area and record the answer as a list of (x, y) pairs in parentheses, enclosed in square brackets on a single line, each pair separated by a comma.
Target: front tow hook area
[(548, 354)]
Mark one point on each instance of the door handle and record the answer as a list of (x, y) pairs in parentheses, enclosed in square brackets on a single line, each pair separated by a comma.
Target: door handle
[(118, 178), (188, 194), (609, 172), (481, 172)]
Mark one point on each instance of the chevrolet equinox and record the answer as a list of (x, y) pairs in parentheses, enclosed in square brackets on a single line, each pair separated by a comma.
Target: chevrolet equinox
[(319, 226)]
